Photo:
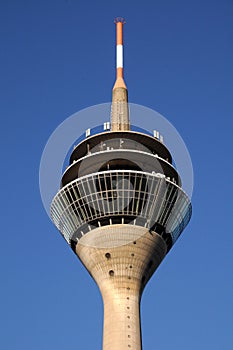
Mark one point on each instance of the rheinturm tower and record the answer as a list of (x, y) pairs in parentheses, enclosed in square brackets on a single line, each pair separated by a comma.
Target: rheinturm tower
[(121, 208)]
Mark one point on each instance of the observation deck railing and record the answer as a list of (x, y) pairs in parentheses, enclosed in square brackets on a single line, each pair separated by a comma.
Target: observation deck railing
[(120, 193)]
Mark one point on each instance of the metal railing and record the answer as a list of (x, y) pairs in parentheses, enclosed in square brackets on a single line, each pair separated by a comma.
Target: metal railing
[(124, 194)]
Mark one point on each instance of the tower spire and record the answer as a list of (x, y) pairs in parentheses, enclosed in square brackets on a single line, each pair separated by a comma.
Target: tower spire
[(120, 112)]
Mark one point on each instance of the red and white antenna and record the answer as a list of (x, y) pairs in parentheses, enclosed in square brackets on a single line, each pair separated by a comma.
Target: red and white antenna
[(119, 21), (120, 113)]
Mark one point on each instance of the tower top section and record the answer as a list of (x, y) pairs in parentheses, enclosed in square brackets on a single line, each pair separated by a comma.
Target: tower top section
[(120, 112), (119, 19)]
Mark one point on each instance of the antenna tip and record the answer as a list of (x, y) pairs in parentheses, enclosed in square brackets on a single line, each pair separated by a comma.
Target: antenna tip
[(119, 19)]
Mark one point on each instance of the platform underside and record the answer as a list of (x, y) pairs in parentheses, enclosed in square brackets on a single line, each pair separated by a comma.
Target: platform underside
[(121, 254)]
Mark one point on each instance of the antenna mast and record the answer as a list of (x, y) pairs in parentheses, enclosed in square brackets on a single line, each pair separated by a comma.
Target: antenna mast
[(120, 111)]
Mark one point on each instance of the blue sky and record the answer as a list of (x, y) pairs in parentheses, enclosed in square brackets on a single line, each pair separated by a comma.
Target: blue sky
[(57, 57)]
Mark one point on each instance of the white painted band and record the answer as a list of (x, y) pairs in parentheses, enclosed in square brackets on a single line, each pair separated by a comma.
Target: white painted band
[(119, 54)]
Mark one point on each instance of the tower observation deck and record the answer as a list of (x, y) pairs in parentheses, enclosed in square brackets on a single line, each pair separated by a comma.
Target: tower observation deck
[(121, 208)]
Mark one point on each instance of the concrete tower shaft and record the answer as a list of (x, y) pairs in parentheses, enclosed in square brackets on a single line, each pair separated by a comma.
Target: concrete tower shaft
[(121, 259)]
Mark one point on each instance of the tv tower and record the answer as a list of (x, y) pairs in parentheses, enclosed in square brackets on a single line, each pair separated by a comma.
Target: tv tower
[(121, 208)]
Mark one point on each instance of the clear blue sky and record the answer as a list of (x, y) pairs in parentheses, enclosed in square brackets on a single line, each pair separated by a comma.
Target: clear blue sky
[(57, 57)]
